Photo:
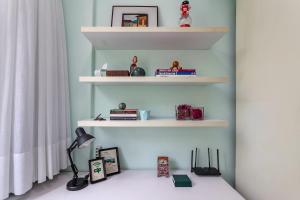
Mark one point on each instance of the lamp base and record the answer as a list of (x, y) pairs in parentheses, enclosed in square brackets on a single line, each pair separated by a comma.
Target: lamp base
[(77, 184)]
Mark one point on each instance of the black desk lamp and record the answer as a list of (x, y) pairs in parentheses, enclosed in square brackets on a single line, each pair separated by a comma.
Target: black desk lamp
[(83, 140)]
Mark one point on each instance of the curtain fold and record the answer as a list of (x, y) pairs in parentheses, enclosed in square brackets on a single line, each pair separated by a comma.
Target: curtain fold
[(34, 101)]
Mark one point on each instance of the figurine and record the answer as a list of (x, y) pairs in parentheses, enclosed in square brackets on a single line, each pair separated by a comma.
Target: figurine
[(135, 70), (162, 166), (122, 106), (185, 19), (134, 64), (175, 66), (100, 118)]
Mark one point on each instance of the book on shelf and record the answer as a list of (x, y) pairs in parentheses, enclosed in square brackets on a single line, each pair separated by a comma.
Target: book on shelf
[(117, 73), (126, 111), (175, 75), (181, 70), (123, 115), (123, 118), (169, 72)]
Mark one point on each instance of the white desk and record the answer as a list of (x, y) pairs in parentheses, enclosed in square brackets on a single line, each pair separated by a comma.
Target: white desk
[(137, 185)]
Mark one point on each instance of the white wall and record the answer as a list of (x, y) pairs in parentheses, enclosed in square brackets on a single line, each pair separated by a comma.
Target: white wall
[(268, 99)]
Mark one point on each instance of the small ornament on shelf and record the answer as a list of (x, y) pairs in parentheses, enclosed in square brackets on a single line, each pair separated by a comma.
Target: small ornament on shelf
[(101, 71), (133, 64), (187, 112), (99, 118), (134, 69), (197, 113), (176, 66), (185, 19), (104, 69), (162, 166), (122, 106), (183, 112)]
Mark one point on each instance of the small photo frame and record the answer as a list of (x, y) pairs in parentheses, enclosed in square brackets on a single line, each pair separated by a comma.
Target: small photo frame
[(97, 170), (134, 16), (111, 158)]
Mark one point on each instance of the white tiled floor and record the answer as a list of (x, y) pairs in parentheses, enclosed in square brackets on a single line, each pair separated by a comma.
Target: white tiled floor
[(41, 191)]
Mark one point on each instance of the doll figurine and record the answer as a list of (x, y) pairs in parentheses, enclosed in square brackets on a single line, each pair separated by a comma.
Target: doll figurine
[(133, 64), (175, 66), (185, 19)]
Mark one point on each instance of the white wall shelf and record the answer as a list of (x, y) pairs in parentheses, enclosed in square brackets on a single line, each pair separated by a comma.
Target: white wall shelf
[(152, 80), (151, 38), (160, 123)]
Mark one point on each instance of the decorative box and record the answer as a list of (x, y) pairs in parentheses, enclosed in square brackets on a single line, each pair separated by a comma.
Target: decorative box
[(162, 166), (183, 112), (187, 112), (197, 113)]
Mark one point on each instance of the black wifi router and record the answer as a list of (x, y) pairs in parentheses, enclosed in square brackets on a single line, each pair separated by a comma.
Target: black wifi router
[(205, 171)]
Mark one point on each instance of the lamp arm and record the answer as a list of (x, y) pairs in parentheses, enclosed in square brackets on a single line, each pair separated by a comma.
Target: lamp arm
[(73, 166)]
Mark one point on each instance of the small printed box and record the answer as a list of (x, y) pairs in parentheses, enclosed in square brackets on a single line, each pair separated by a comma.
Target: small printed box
[(163, 166)]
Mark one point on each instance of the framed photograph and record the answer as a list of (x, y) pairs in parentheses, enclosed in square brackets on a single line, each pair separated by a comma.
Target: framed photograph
[(134, 16), (97, 170), (111, 158)]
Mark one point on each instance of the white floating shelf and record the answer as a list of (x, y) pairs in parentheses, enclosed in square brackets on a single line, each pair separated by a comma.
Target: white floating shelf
[(150, 38), (154, 123), (152, 80)]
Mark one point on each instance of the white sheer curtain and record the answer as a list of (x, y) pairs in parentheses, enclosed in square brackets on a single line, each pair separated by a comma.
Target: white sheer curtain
[(34, 104)]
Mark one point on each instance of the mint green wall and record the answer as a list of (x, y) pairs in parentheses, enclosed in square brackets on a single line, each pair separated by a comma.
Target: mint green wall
[(139, 147)]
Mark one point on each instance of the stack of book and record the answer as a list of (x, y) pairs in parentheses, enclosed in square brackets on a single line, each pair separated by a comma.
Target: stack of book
[(169, 72), (127, 114)]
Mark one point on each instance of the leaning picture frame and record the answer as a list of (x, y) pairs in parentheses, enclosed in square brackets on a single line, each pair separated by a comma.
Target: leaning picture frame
[(134, 16), (97, 170), (111, 158)]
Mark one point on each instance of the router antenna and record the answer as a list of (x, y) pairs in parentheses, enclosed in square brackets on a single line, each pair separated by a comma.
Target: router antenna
[(218, 160), (192, 156), (208, 157), (196, 157)]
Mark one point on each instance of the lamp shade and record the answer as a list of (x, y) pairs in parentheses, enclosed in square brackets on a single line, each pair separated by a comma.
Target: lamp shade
[(83, 139)]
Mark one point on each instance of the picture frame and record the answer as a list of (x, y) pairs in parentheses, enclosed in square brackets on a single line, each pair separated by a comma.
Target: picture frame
[(97, 170), (134, 16), (111, 158)]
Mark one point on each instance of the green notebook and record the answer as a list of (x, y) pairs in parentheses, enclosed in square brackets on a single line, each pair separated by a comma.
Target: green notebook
[(181, 180)]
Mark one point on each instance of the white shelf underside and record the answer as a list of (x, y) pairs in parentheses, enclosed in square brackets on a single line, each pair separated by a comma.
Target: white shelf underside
[(154, 123), (153, 38), (152, 80)]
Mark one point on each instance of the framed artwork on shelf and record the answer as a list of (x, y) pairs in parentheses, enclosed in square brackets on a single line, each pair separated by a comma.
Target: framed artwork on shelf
[(97, 170), (134, 16), (111, 158)]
